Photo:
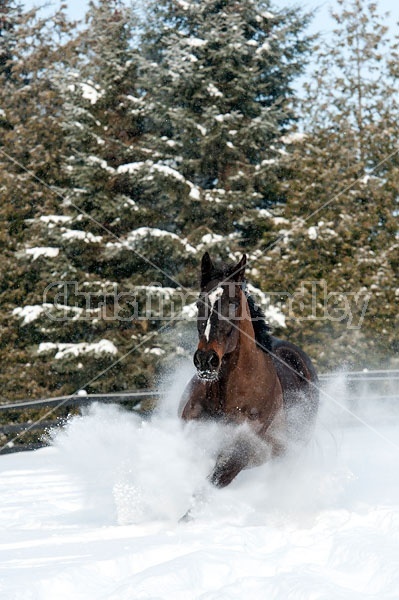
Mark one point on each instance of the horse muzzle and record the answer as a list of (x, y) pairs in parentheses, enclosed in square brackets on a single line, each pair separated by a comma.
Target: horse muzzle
[(207, 363)]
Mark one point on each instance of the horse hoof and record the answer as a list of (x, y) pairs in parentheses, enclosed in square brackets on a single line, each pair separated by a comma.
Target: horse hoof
[(186, 518)]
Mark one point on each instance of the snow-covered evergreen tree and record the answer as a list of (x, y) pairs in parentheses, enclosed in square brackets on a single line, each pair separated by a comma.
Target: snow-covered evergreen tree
[(30, 162), (159, 139), (342, 219), (165, 134), (218, 80), (77, 328)]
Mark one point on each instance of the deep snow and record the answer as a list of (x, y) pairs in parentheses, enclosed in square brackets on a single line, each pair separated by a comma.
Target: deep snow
[(96, 515)]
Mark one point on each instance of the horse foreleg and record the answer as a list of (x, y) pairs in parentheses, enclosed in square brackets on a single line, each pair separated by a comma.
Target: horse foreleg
[(246, 449), (225, 470), (231, 460)]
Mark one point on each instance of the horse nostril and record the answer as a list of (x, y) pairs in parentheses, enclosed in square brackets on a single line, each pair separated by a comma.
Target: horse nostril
[(206, 361), (196, 360), (213, 360)]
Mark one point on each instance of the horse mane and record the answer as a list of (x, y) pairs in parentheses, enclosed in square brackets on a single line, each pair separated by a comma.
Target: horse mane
[(261, 327)]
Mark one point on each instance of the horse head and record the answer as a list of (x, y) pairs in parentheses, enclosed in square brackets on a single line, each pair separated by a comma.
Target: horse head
[(219, 311)]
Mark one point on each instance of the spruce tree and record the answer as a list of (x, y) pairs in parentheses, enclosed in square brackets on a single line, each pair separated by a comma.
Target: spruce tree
[(341, 220), (79, 330), (218, 79), (165, 141), (137, 168), (30, 162)]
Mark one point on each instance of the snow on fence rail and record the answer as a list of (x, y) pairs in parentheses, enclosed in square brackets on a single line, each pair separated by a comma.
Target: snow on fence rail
[(381, 385), (82, 400), (75, 400)]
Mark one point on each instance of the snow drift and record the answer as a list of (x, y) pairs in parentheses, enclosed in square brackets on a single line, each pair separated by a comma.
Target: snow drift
[(96, 516)]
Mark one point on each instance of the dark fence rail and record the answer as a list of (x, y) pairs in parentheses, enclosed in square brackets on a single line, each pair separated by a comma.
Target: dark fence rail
[(360, 389), (365, 375), (82, 400), (382, 385), (15, 430)]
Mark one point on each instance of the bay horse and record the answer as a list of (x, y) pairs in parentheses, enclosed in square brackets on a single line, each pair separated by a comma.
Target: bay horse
[(246, 376)]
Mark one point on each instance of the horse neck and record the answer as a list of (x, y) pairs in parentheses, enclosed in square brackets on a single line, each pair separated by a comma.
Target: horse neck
[(246, 349), (236, 363), (246, 343)]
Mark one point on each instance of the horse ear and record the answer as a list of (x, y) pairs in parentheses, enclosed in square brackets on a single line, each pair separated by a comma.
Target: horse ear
[(239, 269), (206, 268)]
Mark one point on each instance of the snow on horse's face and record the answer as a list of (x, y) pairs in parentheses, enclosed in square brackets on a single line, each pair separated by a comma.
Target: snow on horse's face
[(219, 312)]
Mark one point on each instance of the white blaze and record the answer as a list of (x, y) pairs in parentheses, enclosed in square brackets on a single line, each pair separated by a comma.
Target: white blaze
[(213, 298)]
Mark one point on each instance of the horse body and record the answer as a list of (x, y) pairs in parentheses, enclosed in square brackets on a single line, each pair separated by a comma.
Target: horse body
[(246, 376)]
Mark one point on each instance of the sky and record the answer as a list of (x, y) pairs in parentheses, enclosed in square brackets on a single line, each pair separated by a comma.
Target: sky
[(322, 21)]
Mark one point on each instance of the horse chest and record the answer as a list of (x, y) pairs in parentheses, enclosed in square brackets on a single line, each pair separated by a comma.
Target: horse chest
[(255, 402), (245, 389)]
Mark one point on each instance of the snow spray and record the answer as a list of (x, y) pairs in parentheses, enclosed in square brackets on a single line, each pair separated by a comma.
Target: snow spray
[(132, 470)]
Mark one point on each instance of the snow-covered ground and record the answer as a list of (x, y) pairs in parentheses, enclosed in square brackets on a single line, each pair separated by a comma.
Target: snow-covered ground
[(96, 515)]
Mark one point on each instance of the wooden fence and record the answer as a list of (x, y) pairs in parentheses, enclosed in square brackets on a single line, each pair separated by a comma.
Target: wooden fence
[(378, 386), (15, 430)]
